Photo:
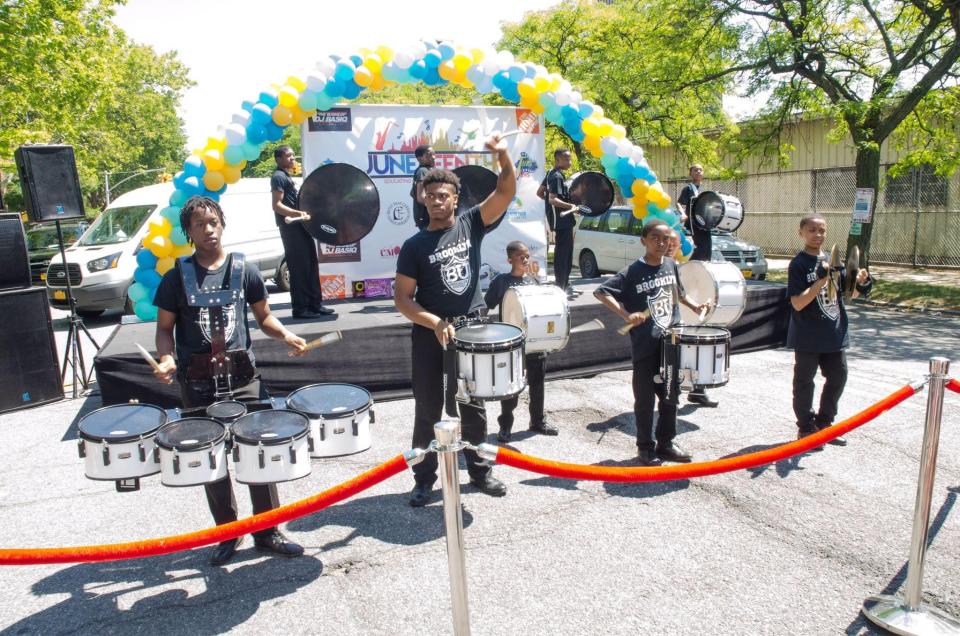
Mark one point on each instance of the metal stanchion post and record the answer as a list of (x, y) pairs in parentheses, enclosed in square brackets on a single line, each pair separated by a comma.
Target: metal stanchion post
[(907, 614), (448, 446)]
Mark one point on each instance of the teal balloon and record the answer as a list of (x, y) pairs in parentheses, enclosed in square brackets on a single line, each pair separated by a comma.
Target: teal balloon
[(178, 198), (146, 259), (177, 237), (647, 219), (138, 293), (653, 209), (671, 218), (609, 162), (172, 214), (250, 150), (307, 100), (325, 102), (145, 310), (234, 155)]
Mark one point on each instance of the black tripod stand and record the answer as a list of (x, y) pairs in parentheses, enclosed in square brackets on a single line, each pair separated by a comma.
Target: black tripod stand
[(73, 354)]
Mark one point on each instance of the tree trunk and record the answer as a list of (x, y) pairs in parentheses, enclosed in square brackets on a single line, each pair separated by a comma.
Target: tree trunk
[(868, 176)]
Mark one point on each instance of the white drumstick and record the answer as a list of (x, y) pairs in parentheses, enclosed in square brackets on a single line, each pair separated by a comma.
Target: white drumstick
[(334, 336), (627, 327), (146, 356), (703, 312), (592, 325), (295, 219)]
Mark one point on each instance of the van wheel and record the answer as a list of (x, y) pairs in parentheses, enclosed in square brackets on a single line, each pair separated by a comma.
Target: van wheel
[(89, 314), (127, 306), (588, 265), (282, 279)]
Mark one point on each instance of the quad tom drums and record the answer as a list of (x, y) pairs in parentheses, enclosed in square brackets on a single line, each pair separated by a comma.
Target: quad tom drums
[(117, 443), (192, 451), (542, 312), (720, 284), (490, 363), (340, 416), (271, 446)]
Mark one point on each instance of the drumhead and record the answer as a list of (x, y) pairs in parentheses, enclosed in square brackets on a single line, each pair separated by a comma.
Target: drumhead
[(226, 411), (121, 422), (701, 334), (270, 427), (593, 191), (190, 434), (476, 184), (330, 400), (489, 336)]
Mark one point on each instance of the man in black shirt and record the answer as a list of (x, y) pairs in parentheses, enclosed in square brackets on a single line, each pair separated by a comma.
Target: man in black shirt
[(560, 218), (438, 286), (202, 221), (424, 155), (299, 247)]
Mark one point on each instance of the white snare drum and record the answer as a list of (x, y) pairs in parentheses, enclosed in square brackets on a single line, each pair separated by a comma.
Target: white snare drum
[(117, 442), (192, 451), (340, 417), (271, 446), (720, 284), (542, 312), (704, 356), (490, 360)]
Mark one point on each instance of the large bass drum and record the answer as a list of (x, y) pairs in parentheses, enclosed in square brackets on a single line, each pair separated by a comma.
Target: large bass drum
[(542, 312), (720, 284), (340, 417), (271, 446), (716, 210), (490, 362), (192, 451), (117, 443)]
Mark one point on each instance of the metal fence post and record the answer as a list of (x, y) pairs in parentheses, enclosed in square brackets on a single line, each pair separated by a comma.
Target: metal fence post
[(448, 447), (908, 614)]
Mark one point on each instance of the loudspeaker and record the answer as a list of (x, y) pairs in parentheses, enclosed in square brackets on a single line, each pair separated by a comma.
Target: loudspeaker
[(29, 372), (50, 184), (14, 262)]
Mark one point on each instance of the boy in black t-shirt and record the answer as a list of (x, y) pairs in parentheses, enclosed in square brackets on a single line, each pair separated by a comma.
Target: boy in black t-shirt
[(518, 255), (818, 329), (645, 294), (561, 218)]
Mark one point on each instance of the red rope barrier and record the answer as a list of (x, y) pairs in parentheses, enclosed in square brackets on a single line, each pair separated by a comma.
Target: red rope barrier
[(954, 385), (225, 532), (510, 457)]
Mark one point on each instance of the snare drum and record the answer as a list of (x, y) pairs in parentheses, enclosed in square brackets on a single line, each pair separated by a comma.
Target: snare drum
[(721, 284), (117, 442), (542, 312), (704, 354), (192, 451), (271, 446), (340, 417), (490, 360)]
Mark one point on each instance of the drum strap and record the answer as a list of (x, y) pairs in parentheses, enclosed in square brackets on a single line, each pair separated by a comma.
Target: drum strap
[(670, 372)]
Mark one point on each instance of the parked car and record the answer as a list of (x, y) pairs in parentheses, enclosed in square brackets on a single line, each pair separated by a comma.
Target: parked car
[(42, 244), (611, 241), (102, 262)]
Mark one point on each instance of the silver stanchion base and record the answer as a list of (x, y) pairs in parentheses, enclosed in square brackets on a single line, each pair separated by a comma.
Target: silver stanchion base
[(891, 613)]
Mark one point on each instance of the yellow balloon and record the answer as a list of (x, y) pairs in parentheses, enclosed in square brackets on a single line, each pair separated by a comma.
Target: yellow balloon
[(555, 81), (639, 211), (299, 115), (528, 101), (182, 250), (605, 127), (165, 264), (590, 128), (462, 61), (385, 53), (159, 227), (216, 143), (618, 132), (364, 51), (231, 174), (640, 188), (288, 96), (597, 112), (477, 55), (213, 180), (447, 70), (213, 159), (378, 83), (592, 144), (373, 62), (282, 115), (298, 84), (160, 246), (681, 258), (363, 77), (542, 84)]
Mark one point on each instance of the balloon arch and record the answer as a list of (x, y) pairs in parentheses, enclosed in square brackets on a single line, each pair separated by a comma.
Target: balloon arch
[(210, 170)]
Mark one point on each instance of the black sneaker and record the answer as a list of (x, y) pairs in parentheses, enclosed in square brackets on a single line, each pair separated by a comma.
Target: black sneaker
[(503, 435), (420, 495), (276, 543), (648, 457), (544, 429), (324, 311), (804, 432), (839, 441), (490, 485), (702, 400), (673, 453)]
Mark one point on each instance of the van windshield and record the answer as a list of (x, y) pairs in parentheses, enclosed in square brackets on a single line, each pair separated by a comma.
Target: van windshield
[(116, 225)]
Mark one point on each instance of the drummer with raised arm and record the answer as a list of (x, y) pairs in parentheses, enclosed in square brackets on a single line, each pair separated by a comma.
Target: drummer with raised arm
[(437, 288)]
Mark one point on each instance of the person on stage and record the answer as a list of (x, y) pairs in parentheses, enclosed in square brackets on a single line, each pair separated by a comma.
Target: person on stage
[(702, 251), (437, 287), (189, 331), (645, 294), (818, 331), (425, 161), (300, 249), (521, 272), (561, 218)]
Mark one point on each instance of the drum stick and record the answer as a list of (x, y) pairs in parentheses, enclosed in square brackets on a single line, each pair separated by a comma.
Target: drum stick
[(624, 330), (295, 219), (333, 336), (149, 358), (592, 325)]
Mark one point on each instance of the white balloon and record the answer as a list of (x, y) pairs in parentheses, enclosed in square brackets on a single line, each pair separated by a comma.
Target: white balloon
[(402, 59), (563, 97), (505, 58), (637, 155), (608, 145), (242, 118), (624, 148), (316, 81), (326, 66), (565, 86), (235, 134)]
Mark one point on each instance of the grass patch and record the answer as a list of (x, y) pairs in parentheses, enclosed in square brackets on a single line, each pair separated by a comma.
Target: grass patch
[(906, 293)]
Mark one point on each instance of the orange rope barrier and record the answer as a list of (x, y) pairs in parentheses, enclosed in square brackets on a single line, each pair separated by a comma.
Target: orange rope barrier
[(954, 385), (225, 532), (512, 458)]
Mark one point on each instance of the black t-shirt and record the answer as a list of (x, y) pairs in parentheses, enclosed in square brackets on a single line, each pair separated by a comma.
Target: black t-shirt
[(821, 326), (281, 182), (421, 217), (446, 265), (555, 183), (702, 241), (499, 286), (641, 286), (191, 332)]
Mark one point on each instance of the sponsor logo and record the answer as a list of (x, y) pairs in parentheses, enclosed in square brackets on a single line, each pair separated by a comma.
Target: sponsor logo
[(333, 120), (328, 229), (528, 121), (390, 252), (525, 165), (398, 212), (339, 253)]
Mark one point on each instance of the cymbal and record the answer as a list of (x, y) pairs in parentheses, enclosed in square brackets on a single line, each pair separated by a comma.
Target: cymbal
[(342, 201), (592, 191), (476, 184), (853, 268)]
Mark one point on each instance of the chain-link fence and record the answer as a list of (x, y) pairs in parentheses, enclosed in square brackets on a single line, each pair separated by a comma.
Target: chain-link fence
[(917, 220)]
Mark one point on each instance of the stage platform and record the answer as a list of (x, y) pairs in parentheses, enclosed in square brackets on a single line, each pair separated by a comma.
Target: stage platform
[(375, 350)]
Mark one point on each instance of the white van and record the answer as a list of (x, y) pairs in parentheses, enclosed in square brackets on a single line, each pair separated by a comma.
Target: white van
[(102, 261)]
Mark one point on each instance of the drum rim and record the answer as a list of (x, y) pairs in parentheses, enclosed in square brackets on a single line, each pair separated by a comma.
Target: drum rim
[(491, 347), (197, 447), (741, 283), (90, 437), (329, 416), (233, 418), (246, 441)]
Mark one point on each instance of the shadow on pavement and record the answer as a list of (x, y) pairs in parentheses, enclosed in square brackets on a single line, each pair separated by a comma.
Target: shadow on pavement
[(783, 467)]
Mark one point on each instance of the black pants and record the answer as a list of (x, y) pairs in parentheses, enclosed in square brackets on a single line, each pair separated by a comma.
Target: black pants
[(220, 497), (563, 257), (301, 253), (644, 392), (428, 409), (833, 366), (536, 369)]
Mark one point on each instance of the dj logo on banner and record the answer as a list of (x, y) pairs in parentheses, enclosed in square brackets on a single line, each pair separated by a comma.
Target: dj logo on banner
[(339, 253)]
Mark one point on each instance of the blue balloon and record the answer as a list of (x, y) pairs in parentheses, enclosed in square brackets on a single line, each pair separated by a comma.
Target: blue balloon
[(178, 179), (531, 70), (247, 105), (261, 113), (177, 237), (501, 79), (577, 135), (510, 93), (345, 71), (193, 166), (475, 75), (268, 99), (256, 134), (432, 59), (351, 90), (650, 178), (570, 112), (623, 166), (432, 78), (145, 310), (485, 86), (192, 186), (625, 181), (357, 60), (333, 88), (516, 73), (586, 108), (146, 259), (446, 52), (148, 277), (274, 132), (686, 247), (641, 172)]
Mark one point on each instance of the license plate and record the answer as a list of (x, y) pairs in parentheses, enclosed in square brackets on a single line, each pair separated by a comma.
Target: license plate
[(43, 276), (59, 295), (747, 273)]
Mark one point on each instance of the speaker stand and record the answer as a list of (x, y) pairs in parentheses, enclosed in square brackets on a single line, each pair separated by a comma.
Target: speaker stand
[(73, 353)]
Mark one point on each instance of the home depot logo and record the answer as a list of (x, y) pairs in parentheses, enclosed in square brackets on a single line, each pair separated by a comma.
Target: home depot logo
[(390, 252), (349, 253)]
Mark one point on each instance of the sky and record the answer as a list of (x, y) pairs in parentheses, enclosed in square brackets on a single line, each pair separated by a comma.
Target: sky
[(236, 49)]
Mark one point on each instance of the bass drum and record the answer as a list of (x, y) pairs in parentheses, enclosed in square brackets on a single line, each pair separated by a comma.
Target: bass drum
[(542, 311), (720, 284), (716, 210)]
